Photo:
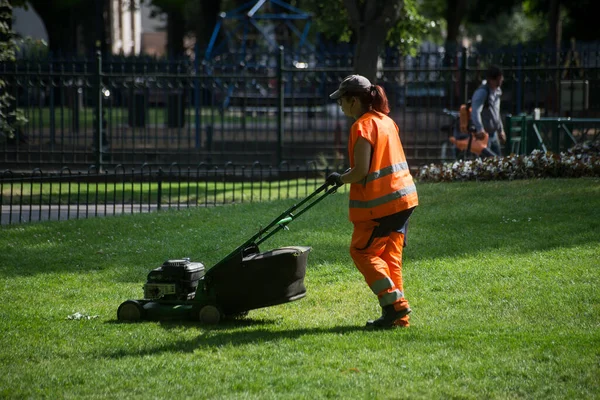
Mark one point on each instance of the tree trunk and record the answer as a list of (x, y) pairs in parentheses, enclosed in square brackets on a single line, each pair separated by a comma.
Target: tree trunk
[(208, 17), (366, 52), (371, 20), (455, 12), (97, 37), (60, 26), (175, 33), (554, 39), (554, 23)]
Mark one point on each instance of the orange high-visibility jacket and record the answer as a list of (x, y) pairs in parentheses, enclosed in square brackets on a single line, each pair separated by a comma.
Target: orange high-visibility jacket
[(388, 187)]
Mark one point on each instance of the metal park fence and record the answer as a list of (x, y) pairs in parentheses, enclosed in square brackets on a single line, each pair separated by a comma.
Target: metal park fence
[(64, 195), (68, 194), (526, 133), (271, 108)]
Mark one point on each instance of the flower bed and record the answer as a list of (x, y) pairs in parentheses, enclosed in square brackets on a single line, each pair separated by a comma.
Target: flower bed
[(579, 161)]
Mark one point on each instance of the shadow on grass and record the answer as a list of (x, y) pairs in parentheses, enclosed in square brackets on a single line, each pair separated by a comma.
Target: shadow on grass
[(226, 334), (170, 324)]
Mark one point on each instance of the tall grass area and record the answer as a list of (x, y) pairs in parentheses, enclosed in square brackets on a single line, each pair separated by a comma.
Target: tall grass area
[(502, 278)]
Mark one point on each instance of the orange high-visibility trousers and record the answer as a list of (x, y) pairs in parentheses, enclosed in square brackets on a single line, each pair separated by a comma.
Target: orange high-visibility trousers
[(380, 263)]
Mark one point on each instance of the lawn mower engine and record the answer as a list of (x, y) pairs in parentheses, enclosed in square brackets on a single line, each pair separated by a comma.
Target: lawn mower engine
[(174, 280)]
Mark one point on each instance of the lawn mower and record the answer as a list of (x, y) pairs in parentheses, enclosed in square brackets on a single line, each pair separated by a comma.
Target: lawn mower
[(244, 280)]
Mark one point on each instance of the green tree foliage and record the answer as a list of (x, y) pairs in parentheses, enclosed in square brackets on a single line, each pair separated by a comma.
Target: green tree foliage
[(7, 54), (11, 119), (370, 24), (511, 27), (508, 22), (412, 29), (331, 18), (553, 22)]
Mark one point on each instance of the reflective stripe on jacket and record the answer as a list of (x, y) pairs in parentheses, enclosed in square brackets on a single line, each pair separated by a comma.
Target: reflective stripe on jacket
[(388, 188)]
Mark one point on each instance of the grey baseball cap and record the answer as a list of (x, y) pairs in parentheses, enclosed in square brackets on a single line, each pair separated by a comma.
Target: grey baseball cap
[(352, 84)]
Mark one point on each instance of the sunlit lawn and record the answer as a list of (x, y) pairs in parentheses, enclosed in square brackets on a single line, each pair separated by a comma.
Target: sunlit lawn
[(502, 278)]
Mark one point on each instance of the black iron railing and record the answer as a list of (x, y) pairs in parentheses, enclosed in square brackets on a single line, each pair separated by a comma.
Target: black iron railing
[(64, 194), (111, 112)]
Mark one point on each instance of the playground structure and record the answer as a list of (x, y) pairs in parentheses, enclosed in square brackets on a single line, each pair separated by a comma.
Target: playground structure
[(262, 25), (251, 39)]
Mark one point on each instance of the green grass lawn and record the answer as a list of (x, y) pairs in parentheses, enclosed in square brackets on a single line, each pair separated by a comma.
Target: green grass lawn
[(502, 278)]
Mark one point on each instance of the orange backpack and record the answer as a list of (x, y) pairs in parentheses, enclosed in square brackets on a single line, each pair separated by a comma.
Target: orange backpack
[(464, 113)]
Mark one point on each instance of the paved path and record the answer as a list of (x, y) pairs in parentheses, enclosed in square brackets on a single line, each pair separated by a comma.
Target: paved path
[(54, 213)]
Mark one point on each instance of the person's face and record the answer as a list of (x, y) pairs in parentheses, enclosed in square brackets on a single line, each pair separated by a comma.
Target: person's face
[(497, 82), (347, 104)]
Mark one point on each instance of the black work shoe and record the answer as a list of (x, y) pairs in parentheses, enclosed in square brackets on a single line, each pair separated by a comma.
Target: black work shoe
[(388, 316)]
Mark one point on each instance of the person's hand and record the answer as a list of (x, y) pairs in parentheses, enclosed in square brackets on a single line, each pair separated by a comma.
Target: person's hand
[(334, 179), (502, 137), (480, 135)]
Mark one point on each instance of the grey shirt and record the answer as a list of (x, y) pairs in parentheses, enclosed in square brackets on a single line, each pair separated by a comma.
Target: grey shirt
[(486, 118)]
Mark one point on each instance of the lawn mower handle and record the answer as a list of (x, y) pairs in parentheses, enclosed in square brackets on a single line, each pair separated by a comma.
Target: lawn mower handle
[(285, 218)]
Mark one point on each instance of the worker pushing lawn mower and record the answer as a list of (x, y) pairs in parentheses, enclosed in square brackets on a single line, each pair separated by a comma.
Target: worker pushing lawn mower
[(382, 196), (246, 279)]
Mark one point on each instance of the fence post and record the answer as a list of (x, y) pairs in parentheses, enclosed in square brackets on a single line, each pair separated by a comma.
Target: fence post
[(463, 76), (98, 111), (556, 137), (520, 78), (509, 134), (198, 125), (280, 110), (51, 113), (524, 135), (159, 189)]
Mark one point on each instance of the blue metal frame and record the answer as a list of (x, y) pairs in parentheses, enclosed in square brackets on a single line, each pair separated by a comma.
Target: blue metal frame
[(249, 16)]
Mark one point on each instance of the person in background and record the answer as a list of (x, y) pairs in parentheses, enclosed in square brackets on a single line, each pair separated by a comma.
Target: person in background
[(485, 110), (382, 195)]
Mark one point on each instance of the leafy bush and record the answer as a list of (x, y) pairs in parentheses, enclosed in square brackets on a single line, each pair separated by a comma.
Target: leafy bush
[(7, 54), (579, 161)]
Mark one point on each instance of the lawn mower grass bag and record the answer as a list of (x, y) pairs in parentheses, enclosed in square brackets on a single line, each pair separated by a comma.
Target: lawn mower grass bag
[(254, 280)]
